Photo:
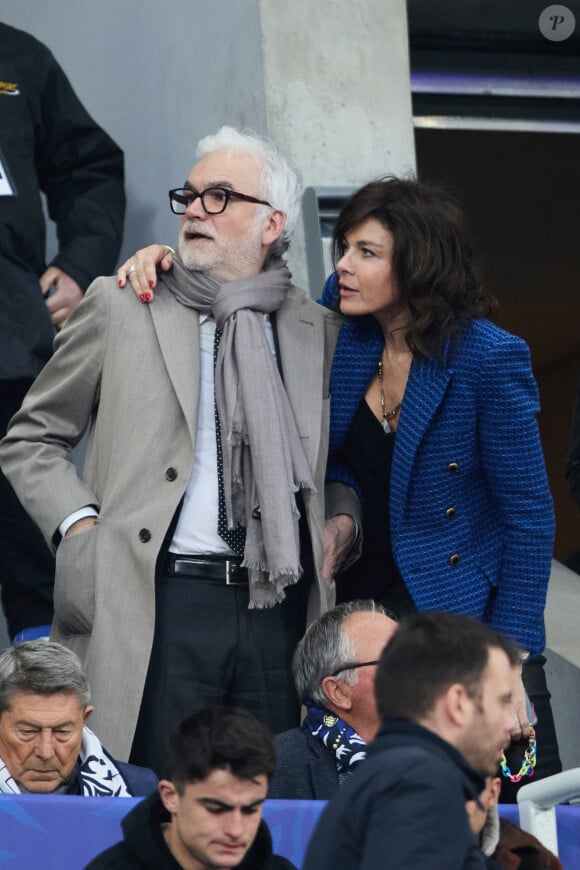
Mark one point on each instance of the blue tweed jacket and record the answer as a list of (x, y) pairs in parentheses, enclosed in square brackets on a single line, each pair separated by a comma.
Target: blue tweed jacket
[(471, 515)]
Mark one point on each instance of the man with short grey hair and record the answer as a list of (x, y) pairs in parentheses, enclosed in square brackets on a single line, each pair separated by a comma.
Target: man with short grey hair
[(445, 693), (334, 668), (192, 550), (45, 744)]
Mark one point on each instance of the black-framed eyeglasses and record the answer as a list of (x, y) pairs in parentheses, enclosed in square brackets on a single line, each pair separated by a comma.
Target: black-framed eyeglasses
[(351, 665), (213, 199)]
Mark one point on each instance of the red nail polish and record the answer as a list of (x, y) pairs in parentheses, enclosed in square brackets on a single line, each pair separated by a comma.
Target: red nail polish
[(151, 284), (120, 282), (148, 297), (143, 297)]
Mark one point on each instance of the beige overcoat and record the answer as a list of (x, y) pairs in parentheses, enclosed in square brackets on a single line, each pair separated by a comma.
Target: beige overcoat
[(131, 373)]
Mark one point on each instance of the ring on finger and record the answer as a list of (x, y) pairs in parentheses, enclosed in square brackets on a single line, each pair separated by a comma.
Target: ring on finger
[(131, 269)]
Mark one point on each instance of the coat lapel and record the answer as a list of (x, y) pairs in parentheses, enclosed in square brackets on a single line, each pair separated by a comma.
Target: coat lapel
[(179, 342), (427, 384), (301, 341)]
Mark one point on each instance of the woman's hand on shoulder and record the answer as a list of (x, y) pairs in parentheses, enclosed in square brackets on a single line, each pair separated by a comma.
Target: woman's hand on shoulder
[(141, 270)]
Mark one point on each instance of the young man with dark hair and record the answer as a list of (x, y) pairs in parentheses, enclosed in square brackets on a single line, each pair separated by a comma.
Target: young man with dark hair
[(208, 813), (445, 692)]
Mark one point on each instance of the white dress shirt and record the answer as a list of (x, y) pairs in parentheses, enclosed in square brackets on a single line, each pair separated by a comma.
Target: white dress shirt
[(196, 530)]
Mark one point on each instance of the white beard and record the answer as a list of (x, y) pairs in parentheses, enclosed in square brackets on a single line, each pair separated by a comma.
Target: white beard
[(224, 260)]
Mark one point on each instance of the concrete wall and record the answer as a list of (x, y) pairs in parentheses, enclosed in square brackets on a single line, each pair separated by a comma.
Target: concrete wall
[(563, 659), (338, 95), (158, 75), (329, 82)]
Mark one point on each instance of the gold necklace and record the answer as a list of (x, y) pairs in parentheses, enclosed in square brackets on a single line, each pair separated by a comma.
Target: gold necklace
[(387, 415)]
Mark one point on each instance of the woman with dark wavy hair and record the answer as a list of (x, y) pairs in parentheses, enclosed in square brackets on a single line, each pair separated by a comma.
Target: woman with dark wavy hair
[(433, 421)]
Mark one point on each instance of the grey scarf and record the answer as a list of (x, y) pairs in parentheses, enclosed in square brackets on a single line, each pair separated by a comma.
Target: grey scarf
[(264, 461)]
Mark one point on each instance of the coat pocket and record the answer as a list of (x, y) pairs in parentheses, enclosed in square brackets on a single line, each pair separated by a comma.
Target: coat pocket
[(74, 585)]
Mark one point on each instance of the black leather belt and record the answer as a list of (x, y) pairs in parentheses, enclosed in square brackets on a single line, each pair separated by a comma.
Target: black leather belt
[(212, 568)]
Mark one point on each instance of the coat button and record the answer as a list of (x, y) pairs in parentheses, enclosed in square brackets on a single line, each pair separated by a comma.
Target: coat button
[(454, 559), (450, 513), (144, 535), (171, 474), (453, 466)]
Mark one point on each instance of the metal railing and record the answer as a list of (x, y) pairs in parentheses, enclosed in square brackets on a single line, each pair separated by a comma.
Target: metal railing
[(537, 802)]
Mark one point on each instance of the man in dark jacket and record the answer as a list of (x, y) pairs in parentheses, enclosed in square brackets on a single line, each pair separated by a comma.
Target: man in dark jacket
[(45, 745), (334, 671), (208, 813), (48, 144), (445, 692)]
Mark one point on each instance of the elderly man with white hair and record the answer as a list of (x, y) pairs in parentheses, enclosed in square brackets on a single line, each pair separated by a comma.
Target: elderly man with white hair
[(192, 548)]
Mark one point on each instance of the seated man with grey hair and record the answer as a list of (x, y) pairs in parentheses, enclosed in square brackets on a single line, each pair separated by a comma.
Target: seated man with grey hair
[(45, 745), (334, 670)]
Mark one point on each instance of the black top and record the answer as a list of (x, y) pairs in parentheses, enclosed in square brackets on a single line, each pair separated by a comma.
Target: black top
[(368, 450)]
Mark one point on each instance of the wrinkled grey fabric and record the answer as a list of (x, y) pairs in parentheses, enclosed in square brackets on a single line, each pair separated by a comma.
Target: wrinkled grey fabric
[(264, 463)]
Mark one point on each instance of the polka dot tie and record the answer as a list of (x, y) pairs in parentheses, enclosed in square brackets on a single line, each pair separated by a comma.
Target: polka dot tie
[(234, 538)]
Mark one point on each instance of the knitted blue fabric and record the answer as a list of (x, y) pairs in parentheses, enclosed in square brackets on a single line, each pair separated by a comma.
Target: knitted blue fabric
[(467, 439), (358, 350)]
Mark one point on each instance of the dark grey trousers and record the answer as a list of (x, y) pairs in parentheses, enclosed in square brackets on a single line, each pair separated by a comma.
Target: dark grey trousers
[(209, 648)]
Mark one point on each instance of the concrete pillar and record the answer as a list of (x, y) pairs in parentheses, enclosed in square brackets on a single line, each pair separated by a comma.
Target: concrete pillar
[(563, 659), (337, 90)]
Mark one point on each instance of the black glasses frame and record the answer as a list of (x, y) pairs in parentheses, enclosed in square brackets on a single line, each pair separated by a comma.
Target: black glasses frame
[(186, 196), (351, 665)]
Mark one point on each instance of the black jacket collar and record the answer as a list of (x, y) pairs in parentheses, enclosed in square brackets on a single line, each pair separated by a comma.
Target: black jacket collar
[(144, 837), (403, 732)]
